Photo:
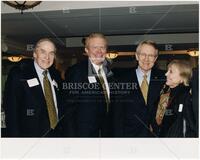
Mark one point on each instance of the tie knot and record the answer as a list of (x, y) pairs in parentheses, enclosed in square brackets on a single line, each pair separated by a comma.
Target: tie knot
[(99, 71), (45, 73), (145, 76)]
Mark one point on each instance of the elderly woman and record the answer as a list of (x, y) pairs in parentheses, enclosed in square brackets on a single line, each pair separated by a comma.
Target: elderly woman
[(174, 115)]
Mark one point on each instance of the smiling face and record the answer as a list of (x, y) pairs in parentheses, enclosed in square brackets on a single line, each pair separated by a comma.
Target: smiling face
[(96, 49), (146, 57), (173, 76), (44, 54)]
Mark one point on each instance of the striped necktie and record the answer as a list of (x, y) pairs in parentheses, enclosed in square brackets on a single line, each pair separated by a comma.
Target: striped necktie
[(144, 88), (49, 101), (104, 88)]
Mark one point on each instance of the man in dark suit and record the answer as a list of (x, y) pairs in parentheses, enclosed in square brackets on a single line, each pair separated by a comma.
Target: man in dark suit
[(88, 105), (32, 103), (139, 104)]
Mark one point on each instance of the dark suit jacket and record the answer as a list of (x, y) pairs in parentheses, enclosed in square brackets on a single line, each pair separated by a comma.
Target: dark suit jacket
[(137, 115), (178, 121), (85, 110), (25, 107), (195, 98)]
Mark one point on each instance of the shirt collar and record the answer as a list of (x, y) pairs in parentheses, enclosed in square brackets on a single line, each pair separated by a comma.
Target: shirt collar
[(141, 74), (39, 70), (96, 67)]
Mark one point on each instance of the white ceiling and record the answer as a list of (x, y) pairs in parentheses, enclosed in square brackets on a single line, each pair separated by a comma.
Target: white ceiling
[(110, 18), (81, 4)]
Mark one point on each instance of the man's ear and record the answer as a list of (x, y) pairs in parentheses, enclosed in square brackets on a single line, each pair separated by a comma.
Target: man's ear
[(86, 50), (34, 54), (136, 55)]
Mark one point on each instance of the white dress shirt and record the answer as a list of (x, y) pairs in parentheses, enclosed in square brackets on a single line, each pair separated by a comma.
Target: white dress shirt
[(140, 75), (97, 67), (41, 76)]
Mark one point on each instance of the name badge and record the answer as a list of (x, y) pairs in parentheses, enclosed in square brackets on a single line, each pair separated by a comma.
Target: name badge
[(180, 108), (32, 82), (92, 79)]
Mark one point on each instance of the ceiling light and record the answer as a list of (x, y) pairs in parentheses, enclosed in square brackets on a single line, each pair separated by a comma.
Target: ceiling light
[(22, 5), (15, 58), (193, 52), (112, 54)]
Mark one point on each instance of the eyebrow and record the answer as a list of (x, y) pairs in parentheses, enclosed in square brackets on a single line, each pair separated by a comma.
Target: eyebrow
[(45, 51), (147, 53)]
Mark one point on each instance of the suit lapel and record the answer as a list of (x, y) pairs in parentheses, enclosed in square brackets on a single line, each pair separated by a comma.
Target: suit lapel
[(152, 87), (90, 71), (139, 92), (36, 91), (56, 82)]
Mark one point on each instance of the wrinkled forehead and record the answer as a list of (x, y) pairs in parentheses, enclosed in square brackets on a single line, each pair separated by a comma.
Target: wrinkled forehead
[(96, 41), (46, 45), (147, 48)]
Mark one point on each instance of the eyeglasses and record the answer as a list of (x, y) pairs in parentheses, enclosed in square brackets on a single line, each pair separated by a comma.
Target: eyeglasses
[(150, 56)]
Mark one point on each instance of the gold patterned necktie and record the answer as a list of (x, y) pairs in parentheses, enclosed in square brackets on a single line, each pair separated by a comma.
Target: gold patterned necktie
[(104, 88), (144, 88), (49, 101)]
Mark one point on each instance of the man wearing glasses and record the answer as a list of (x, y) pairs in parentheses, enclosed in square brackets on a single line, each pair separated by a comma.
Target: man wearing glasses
[(141, 101)]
